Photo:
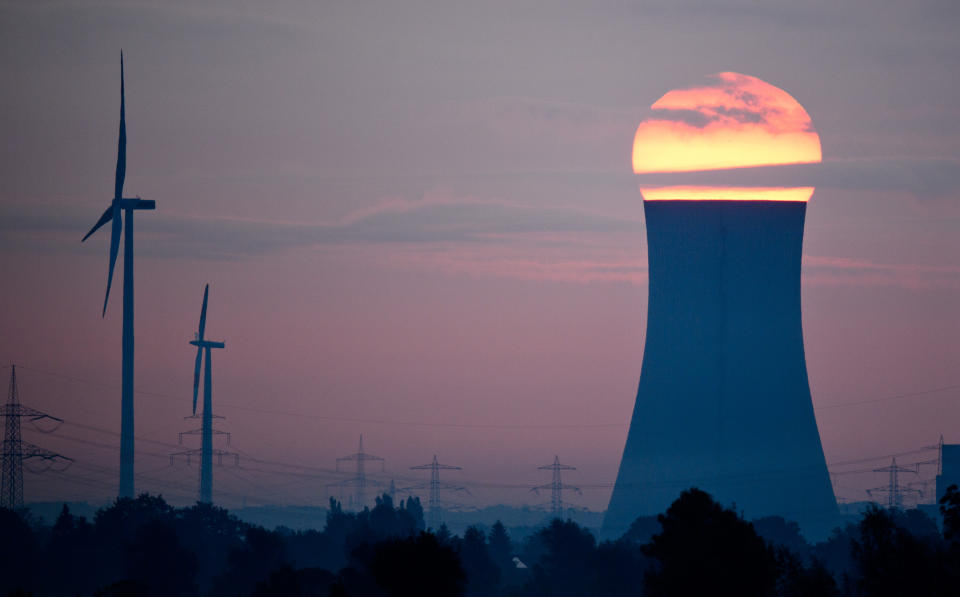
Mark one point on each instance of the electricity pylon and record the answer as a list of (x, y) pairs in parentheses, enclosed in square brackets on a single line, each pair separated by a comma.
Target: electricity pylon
[(360, 481), (433, 513), (205, 494), (556, 486), (15, 450), (893, 489)]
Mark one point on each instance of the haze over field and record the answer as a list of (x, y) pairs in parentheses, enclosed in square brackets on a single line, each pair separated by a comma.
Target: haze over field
[(421, 223)]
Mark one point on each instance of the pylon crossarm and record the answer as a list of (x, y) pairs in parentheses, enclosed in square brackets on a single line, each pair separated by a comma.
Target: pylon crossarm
[(32, 414), (48, 460), (28, 450), (185, 453), (200, 416)]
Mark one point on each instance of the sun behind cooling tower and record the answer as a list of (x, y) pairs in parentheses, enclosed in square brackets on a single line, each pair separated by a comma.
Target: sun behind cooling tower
[(723, 402)]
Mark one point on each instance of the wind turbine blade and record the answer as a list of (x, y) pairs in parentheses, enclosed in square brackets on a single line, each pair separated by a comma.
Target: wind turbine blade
[(122, 142), (196, 378), (103, 220), (203, 312), (114, 249)]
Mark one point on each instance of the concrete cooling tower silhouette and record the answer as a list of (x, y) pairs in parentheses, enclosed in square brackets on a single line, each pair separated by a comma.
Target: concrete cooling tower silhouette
[(723, 402)]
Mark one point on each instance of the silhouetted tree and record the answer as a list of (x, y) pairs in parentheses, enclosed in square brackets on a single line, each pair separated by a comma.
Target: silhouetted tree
[(706, 549), (642, 530), (346, 531), (124, 588), (339, 525), (501, 550), (443, 534), (18, 553), (621, 566), (483, 575), (568, 563), (287, 582), (417, 566), (261, 553), (156, 560), (917, 523), (892, 561), (210, 533), (797, 580), (116, 526), (699, 548), (386, 521), (414, 511), (780, 532), (836, 557), (71, 546), (950, 510)]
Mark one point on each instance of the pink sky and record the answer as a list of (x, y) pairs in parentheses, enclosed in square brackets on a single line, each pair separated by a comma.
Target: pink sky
[(434, 221)]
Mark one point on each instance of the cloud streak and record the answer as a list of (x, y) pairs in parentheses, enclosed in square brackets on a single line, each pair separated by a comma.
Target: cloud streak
[(834, 271), (924, 178), (426, 221)]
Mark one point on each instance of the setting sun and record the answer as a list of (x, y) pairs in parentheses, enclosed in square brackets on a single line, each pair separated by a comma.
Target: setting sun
[(737, 121)]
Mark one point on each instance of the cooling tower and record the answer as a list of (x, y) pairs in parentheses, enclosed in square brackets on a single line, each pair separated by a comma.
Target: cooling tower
[(723, 402)]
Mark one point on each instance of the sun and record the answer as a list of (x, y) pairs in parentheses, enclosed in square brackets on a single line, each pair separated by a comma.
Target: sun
[(735, 121)]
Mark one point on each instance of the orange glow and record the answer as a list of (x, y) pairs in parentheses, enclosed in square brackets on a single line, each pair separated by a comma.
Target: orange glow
[(737, 121), (728, 193)]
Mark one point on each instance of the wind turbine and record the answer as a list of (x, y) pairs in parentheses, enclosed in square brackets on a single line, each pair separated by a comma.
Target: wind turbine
[(112, 215), (206, 427)]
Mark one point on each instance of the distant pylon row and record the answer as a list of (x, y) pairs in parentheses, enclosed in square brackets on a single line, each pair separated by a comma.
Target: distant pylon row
[(360, 484)]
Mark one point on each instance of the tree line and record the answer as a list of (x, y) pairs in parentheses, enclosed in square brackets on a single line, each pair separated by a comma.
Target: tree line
[(145, 547)]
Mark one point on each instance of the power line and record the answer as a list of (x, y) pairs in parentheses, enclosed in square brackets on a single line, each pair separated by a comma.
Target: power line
[(318, 472), (519, 426), (888, 398), (893, 489)]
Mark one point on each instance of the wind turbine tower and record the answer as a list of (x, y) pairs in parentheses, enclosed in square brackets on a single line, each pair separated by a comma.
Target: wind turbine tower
[(204, 353), (122, 208)]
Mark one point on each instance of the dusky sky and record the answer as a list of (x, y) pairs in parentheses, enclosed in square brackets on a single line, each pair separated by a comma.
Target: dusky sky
[(426, 213)]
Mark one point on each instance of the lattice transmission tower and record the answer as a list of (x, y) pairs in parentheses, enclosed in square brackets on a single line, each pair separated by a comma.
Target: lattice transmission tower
[(894, 490), (433, 508), (556, 486), (204, 493), (15, 450), (360, 482)]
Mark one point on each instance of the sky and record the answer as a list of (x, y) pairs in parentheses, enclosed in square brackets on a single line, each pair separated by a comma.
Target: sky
[(419, 222)]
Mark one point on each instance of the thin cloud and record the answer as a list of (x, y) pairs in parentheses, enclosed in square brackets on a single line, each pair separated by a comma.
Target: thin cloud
[(845, 271), (924, 178), (432, 220)]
